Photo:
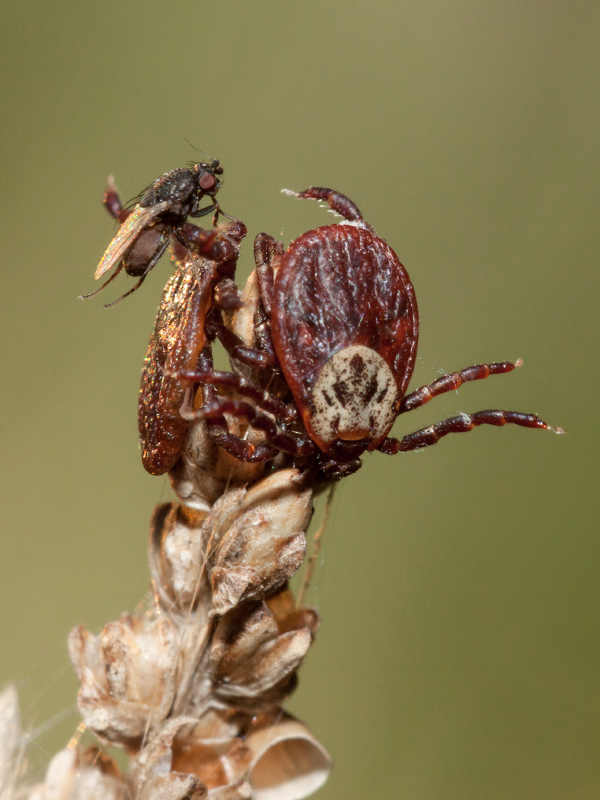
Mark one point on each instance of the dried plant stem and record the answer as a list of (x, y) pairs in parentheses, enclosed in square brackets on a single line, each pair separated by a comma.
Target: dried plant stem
[(317, 541), (191, 685)]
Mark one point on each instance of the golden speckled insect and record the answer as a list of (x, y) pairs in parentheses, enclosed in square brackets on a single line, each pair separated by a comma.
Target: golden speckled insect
[(159, 215)]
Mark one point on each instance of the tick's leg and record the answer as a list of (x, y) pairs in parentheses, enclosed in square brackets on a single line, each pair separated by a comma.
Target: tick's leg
[(267, 255), (218, 427), (201, 241), (267, 252), (461, 424), (262, 333), (245, 387), (337, 202), (238, 350), (239, 448), (218, 245), (227, 296), (282, 440), (112, 202), (446, 383)]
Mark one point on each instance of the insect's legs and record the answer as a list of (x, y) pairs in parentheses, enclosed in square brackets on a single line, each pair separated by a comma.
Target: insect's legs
[(288, 442), (237, 447), (202, 212), (238, 350), (337, 202), (218, 427), (446, 383), (461, 424), (265, 400), (105, 284)]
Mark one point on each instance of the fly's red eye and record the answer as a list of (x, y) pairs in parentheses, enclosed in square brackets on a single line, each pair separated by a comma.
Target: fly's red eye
[(207, 182)]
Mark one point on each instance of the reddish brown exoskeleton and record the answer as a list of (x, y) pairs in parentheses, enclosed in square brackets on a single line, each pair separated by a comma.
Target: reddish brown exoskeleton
[(159, 215), (344, 327), (189, 318), (179, 355)]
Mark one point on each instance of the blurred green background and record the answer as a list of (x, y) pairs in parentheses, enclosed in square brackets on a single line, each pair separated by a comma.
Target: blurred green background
[(459, 653)]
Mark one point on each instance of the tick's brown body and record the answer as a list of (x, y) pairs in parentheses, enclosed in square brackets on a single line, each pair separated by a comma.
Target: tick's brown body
[(338, 287)]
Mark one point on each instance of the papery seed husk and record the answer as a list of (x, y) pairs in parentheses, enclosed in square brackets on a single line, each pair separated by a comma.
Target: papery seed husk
[(288, 615), (242, 323), (131, 680), (215, 765), (259, 538), (239, 634), (271, 663), (235, 791), (173, 786), (215, 727), (288, 763), (72, 775), (204, 470), (177, 563), (141, 659)]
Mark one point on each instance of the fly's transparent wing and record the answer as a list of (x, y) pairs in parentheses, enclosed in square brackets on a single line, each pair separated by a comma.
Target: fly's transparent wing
[(135, 223)]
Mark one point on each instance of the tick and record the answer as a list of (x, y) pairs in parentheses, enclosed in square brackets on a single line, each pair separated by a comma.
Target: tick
[(343, 327)]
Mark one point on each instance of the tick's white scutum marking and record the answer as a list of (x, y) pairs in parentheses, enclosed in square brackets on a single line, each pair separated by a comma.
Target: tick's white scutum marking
[(354, 396)]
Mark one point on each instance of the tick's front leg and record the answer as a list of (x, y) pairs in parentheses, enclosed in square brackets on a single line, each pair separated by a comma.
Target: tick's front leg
[(337, 201), (446, 383)]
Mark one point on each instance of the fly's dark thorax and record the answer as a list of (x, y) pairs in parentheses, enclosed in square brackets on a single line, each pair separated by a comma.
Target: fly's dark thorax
[(179, 186)]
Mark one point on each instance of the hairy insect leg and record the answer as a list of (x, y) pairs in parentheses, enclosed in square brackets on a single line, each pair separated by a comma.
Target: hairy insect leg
[(337, 202), (131, 291), (446, 383), (461, 424), (202, 212), (105, 284), (282, 440), (242, 385)]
